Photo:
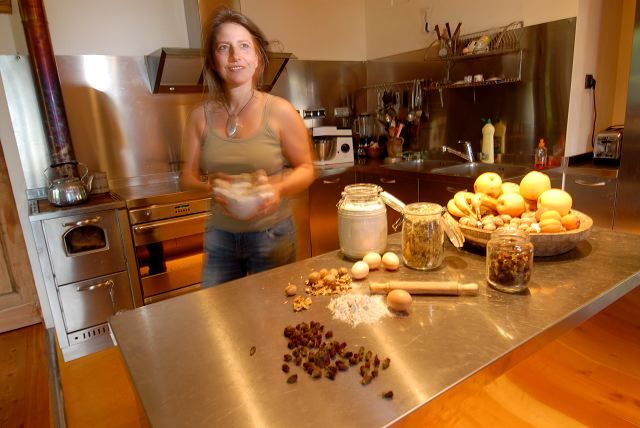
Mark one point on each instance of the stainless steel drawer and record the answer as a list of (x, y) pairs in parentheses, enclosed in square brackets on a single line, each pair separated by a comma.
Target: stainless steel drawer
[(92, 302)]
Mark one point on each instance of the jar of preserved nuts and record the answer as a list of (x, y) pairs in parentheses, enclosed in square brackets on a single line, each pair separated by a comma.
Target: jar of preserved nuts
[(509, 260), (423, 235), (362, 220)]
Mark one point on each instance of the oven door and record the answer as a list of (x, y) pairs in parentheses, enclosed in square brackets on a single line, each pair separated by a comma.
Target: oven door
[(84, 246), (169, 253)]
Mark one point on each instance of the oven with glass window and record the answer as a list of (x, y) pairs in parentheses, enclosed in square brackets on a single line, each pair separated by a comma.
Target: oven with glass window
[(89, 270)]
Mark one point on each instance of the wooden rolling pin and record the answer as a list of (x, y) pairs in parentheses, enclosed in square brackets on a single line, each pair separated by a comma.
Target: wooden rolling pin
[(448, 288)]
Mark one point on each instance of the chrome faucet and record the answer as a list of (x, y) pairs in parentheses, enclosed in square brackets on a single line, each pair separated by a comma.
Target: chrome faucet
[(468, 155)]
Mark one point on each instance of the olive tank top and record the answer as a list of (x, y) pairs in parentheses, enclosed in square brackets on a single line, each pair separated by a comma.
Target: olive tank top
[(262, 150)]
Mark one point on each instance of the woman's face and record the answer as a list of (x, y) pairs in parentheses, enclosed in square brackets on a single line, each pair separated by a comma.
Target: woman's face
[(235, 53)]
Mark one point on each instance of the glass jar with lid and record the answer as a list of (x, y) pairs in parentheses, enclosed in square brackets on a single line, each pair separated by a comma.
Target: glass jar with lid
[(423, 235), (509, 260), (362, 220)]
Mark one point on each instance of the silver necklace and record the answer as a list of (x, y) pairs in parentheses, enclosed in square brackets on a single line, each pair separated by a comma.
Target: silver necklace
[(232, 121)]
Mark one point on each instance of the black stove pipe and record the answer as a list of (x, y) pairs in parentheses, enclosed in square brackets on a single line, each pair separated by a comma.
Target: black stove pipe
[(45, 75)]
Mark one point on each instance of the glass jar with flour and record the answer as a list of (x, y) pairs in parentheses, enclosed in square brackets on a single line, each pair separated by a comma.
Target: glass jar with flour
[(362, 220)]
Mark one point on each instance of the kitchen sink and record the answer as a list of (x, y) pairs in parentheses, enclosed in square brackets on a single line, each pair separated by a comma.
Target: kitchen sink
[(474, 169), (420, 165)]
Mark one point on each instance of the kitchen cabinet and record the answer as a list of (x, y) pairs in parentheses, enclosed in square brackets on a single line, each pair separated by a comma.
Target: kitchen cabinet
[(402, 187), (593, 195), (439, 191), (324, 194)]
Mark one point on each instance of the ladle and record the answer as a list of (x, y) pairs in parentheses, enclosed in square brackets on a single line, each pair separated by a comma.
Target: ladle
[(411, 116)]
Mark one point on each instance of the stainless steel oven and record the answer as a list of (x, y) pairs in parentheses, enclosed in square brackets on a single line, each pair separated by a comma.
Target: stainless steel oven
[(86, 261), (84, 246), (168, 242)]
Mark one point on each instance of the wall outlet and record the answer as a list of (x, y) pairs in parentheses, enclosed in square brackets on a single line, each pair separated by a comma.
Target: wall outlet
[(589, 81)]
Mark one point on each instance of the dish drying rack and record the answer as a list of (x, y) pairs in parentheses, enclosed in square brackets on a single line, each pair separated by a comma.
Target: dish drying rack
[(503, 39)]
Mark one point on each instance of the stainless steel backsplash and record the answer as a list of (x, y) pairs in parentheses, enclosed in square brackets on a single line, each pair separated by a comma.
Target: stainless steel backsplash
[(120, 127), (536, 107)]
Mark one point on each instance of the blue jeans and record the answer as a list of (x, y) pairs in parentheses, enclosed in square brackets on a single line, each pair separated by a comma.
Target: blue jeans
[(230, 256)]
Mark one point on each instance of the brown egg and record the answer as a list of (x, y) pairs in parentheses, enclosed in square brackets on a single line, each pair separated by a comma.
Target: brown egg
[(390, 261), (373, 260), (399, 300), (359, 270)]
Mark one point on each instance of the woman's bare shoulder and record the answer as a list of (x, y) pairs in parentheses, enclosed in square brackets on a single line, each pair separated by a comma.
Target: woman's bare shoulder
[(280, 106)]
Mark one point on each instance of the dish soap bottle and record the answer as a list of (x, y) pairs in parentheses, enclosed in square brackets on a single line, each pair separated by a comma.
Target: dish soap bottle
[(487, 142), (500, 135), (540, 156)]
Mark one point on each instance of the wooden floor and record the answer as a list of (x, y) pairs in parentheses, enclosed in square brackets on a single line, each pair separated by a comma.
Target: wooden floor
[(24, 378), (588, 377)]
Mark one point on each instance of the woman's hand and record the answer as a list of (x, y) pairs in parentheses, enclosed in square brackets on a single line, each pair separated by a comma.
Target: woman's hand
[(271, 201)]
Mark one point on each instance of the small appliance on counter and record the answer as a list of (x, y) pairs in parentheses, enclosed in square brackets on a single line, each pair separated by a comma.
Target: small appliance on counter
[(607, 145), (332, 145)]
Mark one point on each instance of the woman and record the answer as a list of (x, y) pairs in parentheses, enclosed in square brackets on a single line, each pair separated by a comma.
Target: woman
[(242, 130)]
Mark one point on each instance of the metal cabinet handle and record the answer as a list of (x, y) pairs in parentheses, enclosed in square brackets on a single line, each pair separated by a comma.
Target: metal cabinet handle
[(108, 283), (155, 225), (91, 287), (83, 222), (387, 180), (584, 183), (332, 181)]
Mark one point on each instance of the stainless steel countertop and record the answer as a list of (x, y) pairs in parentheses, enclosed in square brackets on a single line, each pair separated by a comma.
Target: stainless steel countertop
[(189, 357), (42, 209)]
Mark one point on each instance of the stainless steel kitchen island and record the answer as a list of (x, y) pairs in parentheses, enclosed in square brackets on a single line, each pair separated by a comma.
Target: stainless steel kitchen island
[(190, 358)]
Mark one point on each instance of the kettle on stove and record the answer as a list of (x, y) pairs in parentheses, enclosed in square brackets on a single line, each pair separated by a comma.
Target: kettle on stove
[(68, 190)]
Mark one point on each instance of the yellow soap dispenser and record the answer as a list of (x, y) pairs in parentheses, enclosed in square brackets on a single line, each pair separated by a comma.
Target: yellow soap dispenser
[(488, 132)]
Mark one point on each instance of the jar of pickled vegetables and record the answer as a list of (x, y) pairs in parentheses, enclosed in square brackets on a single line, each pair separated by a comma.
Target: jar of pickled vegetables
[(509, 260)]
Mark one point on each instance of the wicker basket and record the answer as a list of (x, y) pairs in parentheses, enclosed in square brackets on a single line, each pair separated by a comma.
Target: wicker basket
[(545, 244)]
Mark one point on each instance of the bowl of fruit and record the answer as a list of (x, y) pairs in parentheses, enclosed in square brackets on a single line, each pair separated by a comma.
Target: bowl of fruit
[(532, 205)]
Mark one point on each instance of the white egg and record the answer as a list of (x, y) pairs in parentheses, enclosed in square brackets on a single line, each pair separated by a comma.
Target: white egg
[(399, 300), (359, 270), (390, 261), (373, 260)]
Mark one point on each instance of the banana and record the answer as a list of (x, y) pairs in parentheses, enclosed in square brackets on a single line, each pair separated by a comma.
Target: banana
[(463, 199), (489, 202), (453, 209), (476, 201)]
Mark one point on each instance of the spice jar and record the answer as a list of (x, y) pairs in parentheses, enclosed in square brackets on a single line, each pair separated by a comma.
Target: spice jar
[(423, 235), (362, 220), (509, 260)]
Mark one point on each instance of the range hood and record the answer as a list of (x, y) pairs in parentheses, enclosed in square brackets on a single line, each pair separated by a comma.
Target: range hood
[(181, 70)]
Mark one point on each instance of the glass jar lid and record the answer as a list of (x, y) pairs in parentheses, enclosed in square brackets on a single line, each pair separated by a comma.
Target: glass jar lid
[(510, 233)]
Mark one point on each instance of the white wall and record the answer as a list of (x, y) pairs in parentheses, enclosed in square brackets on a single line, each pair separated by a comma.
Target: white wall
[(7, 43), (115, 27), (327, 30), (323, 30), (602, 48), (395, 26)]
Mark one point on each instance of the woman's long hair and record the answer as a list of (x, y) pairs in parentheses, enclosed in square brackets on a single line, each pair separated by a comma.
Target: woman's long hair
[(210, 34)]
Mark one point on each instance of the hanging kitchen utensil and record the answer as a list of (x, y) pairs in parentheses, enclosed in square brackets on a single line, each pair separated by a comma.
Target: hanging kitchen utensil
[(456, 35), (418, 99), (411, 115)]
